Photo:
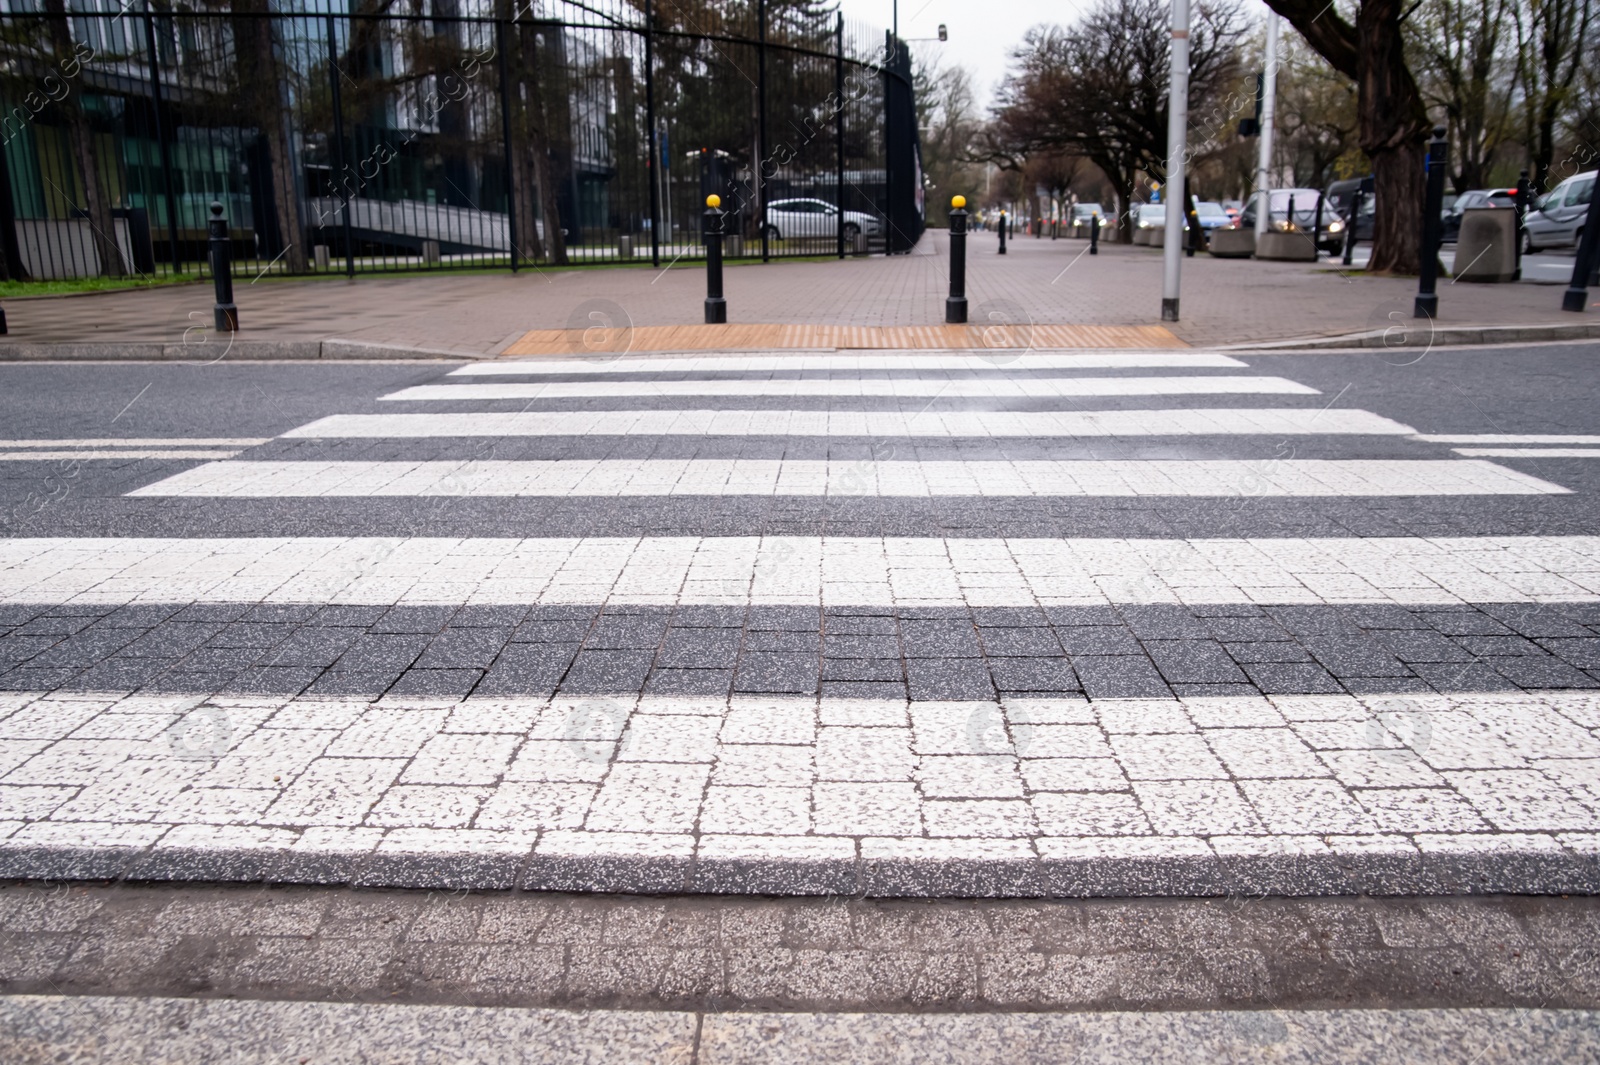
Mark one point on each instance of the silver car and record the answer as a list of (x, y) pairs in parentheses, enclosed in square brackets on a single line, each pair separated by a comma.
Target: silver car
[(788, 219), (1559, 220)]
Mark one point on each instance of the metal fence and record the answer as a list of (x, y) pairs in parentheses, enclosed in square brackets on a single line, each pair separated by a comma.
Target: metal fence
[(454, 133)]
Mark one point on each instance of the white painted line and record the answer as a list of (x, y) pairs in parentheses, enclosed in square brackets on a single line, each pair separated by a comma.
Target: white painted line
[(787, 477), (147, 442), (927, 423), (913, 361), (84, 456), (801, 570), (1008, 388), (1530, 452), (1505, 438)]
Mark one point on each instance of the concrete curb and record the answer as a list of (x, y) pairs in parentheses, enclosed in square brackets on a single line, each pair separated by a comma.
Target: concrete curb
[(217, 351), (1392, 338), (1411, 337), (1198, 873)]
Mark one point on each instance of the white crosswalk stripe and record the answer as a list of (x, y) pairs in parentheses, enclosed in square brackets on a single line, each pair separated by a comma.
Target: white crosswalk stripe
[(854, 571), (799, 477), (1017, 388), (926, 423)]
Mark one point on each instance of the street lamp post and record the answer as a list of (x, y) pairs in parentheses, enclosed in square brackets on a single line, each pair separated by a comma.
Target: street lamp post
[(1177, 146)]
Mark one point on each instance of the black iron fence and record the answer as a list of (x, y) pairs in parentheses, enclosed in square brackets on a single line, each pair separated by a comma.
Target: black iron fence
[(478, 133)]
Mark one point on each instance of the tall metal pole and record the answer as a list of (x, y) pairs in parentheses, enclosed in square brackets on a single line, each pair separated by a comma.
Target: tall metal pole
[(161, 138), (1269, 114), (761, 124), (1177, 147), (505, 131), (838, 126), (650, 116), (338, 147)]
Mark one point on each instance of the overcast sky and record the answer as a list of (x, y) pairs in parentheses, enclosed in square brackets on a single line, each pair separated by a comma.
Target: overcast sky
[(982, 32)]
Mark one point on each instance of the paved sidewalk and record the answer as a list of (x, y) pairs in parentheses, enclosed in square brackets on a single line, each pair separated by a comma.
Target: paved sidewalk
[(1040, 282)]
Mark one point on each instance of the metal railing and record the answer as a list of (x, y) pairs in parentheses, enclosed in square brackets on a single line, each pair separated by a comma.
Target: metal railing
[(461, 133)]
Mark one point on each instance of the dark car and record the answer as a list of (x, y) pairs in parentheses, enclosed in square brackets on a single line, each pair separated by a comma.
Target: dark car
[(1469, 200), (1304, 204)]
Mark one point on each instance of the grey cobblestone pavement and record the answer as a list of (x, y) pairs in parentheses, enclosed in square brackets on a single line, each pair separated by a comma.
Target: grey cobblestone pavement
[(168, 973), (1041, 281)]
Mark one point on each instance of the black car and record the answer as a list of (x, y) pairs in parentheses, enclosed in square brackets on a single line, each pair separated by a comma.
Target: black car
[(1469, 200), (1341, 196)]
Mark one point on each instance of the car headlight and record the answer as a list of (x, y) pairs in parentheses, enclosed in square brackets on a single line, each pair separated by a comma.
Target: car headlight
[(1335, 226)]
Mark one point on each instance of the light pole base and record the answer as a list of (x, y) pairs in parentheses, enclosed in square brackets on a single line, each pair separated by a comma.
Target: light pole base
[(1575, 299), (1169, 310), (716, 311), (227, 318), (1426, 307), (955, 310)]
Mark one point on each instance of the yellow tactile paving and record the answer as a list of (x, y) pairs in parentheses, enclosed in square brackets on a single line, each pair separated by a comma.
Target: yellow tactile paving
[(844, 337)]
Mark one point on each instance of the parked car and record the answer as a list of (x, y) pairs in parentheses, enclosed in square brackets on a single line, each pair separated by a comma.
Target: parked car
[(1152, 216), (1211, 215), (1305, 215), (788, 219), (1340, 195), (1470, 200), (1558, 221), (1084, 211)]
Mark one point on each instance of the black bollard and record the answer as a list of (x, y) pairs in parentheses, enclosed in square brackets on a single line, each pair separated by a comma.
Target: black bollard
[(1522, 212), (1350, 227), (1577, 297), (955, 307), (1094, 234), (1002, 232), (716, 306), (1427, 305), (222, 271), (3, 329), (1316, 229)]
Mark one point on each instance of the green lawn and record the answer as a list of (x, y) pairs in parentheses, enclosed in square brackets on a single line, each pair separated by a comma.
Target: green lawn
[(72, 286)]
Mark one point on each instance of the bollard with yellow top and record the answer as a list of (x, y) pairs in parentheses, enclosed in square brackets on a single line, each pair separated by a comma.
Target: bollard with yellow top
[(955, 307), (716, 306)]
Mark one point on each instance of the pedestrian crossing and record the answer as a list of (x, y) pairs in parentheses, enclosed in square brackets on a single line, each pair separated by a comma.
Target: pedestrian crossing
[(482, 646)]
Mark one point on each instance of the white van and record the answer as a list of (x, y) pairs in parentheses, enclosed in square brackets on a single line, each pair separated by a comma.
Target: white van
[(1559, 219)]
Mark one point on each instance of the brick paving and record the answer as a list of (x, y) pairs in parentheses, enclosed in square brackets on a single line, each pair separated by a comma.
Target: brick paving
[(1041, 282)]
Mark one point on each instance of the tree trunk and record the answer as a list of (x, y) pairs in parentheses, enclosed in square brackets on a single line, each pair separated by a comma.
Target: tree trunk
[(537, 126), (80, 139), (263, 105), (1394, 132), (523, 192), (1393, 121)]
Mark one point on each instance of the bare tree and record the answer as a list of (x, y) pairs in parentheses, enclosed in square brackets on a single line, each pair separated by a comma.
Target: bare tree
[(1099, 90), (1465, 73), (1551, 35)]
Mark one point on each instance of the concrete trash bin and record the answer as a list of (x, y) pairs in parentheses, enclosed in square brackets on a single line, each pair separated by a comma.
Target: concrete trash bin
[(1233, 243), (1486, 251), (1286, 247)]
